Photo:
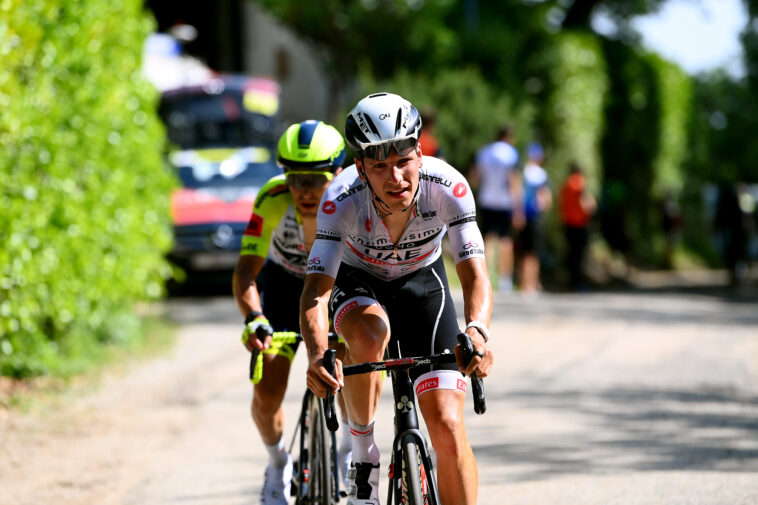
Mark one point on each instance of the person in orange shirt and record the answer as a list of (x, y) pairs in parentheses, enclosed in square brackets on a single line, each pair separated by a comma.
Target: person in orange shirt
[(430, 146), (576, 209)]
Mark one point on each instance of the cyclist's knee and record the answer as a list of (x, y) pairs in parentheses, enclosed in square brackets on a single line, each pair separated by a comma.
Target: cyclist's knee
[(443, 421), (446, 426), (366, 337), (266, 402), (269, 394)]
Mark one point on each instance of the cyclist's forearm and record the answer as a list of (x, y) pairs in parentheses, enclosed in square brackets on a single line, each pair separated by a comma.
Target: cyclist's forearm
[(314, 317), (244, 287), (477, 290)]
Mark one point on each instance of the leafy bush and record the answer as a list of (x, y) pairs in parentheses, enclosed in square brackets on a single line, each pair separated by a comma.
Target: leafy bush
[(85, 195)]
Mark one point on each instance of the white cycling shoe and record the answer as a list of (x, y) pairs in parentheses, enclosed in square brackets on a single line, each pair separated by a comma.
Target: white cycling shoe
[(276, 484), (364, 484)]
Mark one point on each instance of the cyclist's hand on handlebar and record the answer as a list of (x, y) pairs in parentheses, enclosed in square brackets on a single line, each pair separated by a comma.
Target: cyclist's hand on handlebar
[(319, 380), (479, 364), (257, 334)]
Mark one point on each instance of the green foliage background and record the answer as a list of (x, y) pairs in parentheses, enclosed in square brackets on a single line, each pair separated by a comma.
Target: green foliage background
[(472, 110), (85, 195)]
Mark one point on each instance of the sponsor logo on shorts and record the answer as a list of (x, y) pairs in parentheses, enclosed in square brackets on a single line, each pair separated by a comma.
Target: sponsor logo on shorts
[(459, 190), (428, 385), (461, 385), (329, 207)]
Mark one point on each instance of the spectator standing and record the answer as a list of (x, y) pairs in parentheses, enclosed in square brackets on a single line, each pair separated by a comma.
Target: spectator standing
[(499, 199), (735, 213), (577, 206), (538, 198)]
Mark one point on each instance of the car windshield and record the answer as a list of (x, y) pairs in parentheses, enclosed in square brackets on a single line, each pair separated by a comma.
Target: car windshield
[(203, 120), (251, 166)]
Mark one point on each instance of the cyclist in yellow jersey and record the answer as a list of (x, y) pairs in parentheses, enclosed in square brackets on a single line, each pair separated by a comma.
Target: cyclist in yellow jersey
[(269, 279)]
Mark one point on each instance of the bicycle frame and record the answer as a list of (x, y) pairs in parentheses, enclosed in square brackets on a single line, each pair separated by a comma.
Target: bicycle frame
[(406, 423), (303, 476), (406, 418)]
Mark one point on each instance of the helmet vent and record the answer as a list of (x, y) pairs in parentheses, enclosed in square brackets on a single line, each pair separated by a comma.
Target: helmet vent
[(371, 125), (306, 132), (397, 122), (377, 94)]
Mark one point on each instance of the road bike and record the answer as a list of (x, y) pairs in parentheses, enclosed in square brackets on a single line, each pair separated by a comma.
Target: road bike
[(315, 479), (411, 473)]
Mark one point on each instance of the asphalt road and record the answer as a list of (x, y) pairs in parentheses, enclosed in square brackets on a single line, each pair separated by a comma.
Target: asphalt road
[(595, 399)]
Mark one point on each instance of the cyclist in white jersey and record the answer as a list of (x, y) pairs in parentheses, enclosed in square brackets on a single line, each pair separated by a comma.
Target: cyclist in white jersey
[(376, 267)]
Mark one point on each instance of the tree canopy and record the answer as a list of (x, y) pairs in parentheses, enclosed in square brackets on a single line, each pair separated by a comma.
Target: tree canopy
[(639, 125)]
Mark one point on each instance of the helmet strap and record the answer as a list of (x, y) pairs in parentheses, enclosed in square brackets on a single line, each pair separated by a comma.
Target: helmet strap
[(414, 199), (375, 199)]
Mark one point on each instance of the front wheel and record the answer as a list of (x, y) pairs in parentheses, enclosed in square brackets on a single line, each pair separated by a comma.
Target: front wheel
[(320, 482), (414, 484)]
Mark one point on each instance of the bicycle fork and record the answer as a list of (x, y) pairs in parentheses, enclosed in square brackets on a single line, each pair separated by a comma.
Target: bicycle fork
[(407, 428)]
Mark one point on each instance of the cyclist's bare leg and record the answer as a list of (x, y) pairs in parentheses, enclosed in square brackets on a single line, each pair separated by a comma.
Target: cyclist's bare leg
[(268, 394), (457, 474), (366, 332)]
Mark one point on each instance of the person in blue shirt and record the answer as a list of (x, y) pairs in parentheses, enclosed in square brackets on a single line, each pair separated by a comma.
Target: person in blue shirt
[(537, 199)]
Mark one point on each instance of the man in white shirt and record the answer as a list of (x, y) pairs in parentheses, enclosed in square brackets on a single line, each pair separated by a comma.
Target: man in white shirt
[(499, 199)]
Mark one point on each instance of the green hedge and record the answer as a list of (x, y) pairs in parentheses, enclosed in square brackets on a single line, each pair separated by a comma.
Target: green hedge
[(85, 195), (645, 150), (675, 91), (573, 112)]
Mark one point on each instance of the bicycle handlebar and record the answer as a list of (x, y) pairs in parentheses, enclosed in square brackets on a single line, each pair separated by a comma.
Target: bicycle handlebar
[(279, 337), (477, 385)]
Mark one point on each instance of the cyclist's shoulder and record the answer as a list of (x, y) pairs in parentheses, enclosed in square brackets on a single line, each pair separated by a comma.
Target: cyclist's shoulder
[(441, 181), (275, 190), (438, 165), (343, 193)]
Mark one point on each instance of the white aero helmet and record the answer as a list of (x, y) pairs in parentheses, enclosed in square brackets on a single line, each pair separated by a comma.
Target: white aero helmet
[(381, 122)]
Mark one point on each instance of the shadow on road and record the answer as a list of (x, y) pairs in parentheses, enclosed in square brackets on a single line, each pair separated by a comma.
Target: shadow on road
[(643, 306), (632, 429)]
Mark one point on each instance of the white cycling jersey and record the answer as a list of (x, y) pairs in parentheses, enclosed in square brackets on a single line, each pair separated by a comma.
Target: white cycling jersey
[(350, 230)]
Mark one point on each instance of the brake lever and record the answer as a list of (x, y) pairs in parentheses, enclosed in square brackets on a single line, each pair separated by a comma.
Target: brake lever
[(477, 385), (330, 359)]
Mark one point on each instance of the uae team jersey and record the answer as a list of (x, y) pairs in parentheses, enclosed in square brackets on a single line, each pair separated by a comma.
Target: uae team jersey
[(274, 230), (350, 230)]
